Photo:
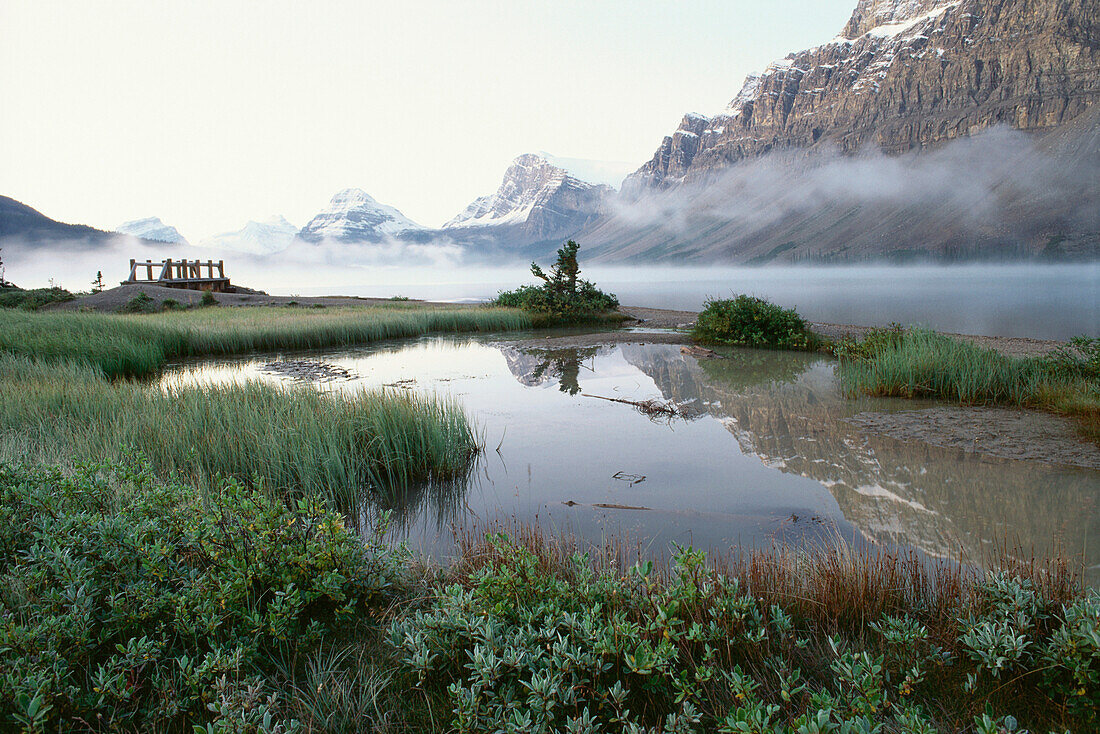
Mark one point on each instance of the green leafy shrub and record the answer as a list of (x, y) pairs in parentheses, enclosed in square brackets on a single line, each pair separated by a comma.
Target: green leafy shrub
[(31, 300), (748, 321), (171, 304), (208, 299), (526, 642), (564, 296), (130, 605), (141, 303), (1080, 359)]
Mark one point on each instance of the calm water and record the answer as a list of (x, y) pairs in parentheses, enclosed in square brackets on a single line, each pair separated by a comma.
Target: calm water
[(764, 456), (1032, 300)]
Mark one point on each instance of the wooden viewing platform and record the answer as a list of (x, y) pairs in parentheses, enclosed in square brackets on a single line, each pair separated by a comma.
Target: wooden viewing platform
[(181, 274)]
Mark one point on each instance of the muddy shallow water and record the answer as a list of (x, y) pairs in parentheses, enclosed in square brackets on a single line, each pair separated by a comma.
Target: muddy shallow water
[(765, 450)]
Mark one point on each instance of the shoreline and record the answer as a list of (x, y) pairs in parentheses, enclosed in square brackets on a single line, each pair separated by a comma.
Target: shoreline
[(660, 318), (646, 317)]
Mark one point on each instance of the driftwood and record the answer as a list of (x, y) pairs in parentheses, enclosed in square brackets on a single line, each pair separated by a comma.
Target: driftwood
[(607, 506), (699, 352), (649, 407)]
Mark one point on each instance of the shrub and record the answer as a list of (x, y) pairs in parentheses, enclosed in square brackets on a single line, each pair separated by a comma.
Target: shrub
[(748, 321), (131, 605), (1080, 359), (171, 304), (564, 296), (141, 303), (208, 299), (526, 641), (31, 300)]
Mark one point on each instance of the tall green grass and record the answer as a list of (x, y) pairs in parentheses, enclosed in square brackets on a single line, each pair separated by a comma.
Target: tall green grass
[(136, 345), (287, 439), (923, 364)]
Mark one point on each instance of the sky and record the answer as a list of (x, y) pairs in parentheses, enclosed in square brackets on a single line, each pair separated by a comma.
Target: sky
[(211, 113)]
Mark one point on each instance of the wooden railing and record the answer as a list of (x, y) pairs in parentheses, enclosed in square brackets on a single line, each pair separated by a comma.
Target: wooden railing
[(176, 270)]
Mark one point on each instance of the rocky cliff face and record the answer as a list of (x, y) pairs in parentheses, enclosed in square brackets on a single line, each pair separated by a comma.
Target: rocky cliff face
[(928, 129), (354, 216), (537, 202), (902, 75)]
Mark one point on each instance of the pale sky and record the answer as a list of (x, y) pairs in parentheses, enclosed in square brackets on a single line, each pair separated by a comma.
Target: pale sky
[(211, 113)]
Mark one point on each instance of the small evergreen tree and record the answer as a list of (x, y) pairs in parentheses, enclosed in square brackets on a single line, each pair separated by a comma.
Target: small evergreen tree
[(563, 296), (562, 279), (2, 281), (97, 284)]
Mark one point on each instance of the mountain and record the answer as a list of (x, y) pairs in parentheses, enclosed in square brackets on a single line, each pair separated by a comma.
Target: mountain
[(537, 204), (24, 229), (151, 228), (892, 139), (353, 216), (258, 238), (903, 74)]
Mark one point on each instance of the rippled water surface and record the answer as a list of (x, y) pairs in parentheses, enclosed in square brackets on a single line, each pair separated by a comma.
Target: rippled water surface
[(762, 455)]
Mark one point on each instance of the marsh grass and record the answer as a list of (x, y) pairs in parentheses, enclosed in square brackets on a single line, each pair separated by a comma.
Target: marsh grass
[(283, 438), (139, 344), (923, 364)]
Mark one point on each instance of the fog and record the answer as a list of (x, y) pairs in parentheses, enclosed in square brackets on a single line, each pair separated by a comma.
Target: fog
[(1052, 301), (1001, 184)]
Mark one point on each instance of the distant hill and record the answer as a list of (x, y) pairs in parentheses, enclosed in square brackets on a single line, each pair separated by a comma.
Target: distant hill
[(23, 228)]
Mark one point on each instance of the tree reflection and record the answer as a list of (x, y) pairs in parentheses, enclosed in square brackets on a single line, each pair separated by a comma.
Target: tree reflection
[(565, 365)]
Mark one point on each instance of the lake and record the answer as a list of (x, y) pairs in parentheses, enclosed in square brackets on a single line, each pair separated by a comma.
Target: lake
[(1028, 300), (761, 455)]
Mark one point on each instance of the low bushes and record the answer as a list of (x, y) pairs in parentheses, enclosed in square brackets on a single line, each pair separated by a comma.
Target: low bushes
[(747, 321), (522, 644), (33, 299), (128, 605)]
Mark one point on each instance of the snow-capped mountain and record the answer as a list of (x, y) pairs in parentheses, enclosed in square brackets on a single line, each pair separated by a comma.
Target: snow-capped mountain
[(272, 235), (354, 216), (902, 75), (943, 129), (537, 202), (151, 228)]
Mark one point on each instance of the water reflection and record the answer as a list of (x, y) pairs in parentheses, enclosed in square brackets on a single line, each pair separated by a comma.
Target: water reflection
[(770, 458), (537, 366), (946, 502)]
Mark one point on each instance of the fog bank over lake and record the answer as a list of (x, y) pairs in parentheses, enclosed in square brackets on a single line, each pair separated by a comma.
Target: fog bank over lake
[(1030, 300)]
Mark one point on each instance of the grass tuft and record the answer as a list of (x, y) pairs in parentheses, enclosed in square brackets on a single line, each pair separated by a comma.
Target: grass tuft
[(283, 438)]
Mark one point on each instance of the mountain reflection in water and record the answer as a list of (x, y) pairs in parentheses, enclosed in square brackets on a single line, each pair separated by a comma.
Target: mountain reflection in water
[(767, 456)]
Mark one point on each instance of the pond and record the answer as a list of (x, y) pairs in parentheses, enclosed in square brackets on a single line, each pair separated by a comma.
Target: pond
[(760, 453)]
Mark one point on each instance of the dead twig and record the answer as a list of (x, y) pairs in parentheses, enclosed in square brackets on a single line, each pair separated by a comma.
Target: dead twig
[(648, 407)]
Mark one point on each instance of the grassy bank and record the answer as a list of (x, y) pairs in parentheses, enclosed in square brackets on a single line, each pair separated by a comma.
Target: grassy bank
[(919, 363), (136, 345), (146, 606), (287, 439)]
